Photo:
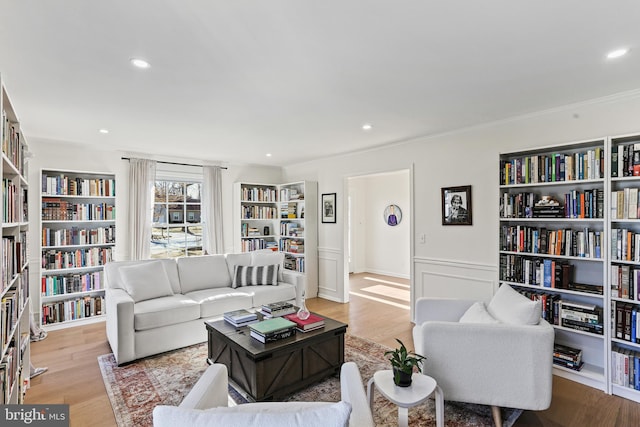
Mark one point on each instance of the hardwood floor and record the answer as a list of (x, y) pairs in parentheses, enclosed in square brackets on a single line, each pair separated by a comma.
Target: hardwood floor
[(74, 376)]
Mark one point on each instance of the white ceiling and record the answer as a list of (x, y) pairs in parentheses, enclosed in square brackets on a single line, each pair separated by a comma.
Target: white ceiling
[(233, 80)]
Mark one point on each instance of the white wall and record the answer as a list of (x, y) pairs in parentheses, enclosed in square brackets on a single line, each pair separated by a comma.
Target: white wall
[(462, 260), (378, 247)]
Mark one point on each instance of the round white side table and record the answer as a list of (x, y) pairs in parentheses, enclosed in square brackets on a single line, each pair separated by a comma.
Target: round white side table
[(421, 388)]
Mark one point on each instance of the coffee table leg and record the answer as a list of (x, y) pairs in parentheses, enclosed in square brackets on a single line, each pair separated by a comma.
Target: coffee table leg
[(403, 416), (439, 407)]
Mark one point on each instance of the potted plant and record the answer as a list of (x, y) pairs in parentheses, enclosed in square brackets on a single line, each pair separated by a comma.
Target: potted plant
[(403, 363)]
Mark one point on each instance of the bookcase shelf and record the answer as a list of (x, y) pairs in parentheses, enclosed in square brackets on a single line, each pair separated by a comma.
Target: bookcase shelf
[(289, 211), (14, 280), (569, 240), (624, 262), (612, 360), (78, 237)]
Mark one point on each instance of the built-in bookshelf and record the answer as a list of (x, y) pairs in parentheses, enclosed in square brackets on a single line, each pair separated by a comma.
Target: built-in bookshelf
[(624, 266), (553, 238), (77, 239), (280, 217), (14, 285)]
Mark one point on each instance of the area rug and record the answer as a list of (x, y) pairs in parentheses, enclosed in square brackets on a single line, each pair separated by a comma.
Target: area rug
[(135, 389)]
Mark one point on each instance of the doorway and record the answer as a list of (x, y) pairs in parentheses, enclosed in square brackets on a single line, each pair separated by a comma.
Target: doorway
[(378, 232)]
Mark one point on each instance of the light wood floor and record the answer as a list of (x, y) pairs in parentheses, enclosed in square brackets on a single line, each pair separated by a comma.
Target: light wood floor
[(74, 376)]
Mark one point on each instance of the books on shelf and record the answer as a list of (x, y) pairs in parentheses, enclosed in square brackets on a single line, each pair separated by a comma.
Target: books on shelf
[(567, 357), (625, 367), (273, 329), (312, 323), (626, 324), (240, 317), (582, 317)]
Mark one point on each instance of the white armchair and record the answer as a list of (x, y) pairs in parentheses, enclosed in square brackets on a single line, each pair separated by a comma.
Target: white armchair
[(206, 405), (501, 355)]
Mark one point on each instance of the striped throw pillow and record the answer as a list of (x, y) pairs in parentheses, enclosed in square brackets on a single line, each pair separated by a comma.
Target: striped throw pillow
[(255, 275)]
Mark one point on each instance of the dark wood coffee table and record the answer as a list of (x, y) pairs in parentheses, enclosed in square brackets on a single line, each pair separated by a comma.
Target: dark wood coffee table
[(274, 370)]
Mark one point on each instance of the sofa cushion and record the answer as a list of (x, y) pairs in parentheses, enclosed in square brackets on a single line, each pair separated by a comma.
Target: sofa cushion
[(510, 306), (269, 257), (164, 311), (268, 294), (113, 278), (217, 301), (146, 281), (255, 275), (237, 259), (256, 414), (203, 272), (477, 313)]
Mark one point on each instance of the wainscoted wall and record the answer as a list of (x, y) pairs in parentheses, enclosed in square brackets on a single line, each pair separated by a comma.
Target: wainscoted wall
[(441, 278), (331, 279)]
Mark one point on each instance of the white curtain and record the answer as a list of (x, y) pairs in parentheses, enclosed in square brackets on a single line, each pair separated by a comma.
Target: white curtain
[(142, 175), (212, 210)]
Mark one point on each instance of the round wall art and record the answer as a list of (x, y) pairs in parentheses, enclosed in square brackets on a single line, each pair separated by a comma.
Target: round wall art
[(392, 215)]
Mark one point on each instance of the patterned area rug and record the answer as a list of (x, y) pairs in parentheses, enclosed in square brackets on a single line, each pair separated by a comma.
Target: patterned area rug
[(135, 389)]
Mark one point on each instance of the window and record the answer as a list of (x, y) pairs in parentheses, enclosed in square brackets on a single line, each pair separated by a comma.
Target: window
[(176, 230)]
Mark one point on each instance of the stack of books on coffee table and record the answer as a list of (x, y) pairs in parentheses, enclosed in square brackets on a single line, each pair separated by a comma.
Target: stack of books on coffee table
[(273, 329), (277, 309), (239, 318), (311, 323)]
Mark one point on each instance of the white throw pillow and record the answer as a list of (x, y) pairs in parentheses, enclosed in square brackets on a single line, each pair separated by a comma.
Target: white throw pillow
[(268, 257), (146, 280), (477, 313), (335, 414), (510, 306), (255, 275)]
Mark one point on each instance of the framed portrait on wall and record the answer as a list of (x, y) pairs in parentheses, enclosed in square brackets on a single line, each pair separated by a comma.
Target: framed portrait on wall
[(328, 206), (456, 205)]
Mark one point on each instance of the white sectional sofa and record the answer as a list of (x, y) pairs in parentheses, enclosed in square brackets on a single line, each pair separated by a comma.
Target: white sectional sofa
[(155, 306)]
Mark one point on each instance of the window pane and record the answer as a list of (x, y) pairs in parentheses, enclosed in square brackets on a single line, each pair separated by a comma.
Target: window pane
[(175, 192), (159, 242), (161, 191), (176, 203), (159, 213), (176, 214), (193, 214), (194, 240), (176, 243), (193, 193)]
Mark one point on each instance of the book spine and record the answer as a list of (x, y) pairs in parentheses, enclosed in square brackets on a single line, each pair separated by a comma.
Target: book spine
[(274, 336)]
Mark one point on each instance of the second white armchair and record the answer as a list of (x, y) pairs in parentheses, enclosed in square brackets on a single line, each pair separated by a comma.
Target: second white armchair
[(499, 355)]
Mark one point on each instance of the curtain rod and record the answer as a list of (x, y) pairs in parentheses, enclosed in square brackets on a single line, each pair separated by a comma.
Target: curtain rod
[(174, 163)]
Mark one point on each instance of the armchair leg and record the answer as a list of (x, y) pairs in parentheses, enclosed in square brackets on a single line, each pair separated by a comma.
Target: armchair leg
[(497, 417)]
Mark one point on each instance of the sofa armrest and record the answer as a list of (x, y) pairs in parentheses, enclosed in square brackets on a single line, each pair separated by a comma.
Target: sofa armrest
[(211, 390), (477, 363), (296, 280), (443, 309), (352, 391), (120, 329)]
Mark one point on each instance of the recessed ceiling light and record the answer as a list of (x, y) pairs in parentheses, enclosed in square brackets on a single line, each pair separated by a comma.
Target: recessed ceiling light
[(105, 131), (367, 126), (268, 154), (617, 53), (140, 63)]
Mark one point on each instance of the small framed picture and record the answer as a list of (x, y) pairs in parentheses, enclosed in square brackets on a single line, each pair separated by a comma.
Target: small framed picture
[(328, 207), (392, 215), (456, 205)]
